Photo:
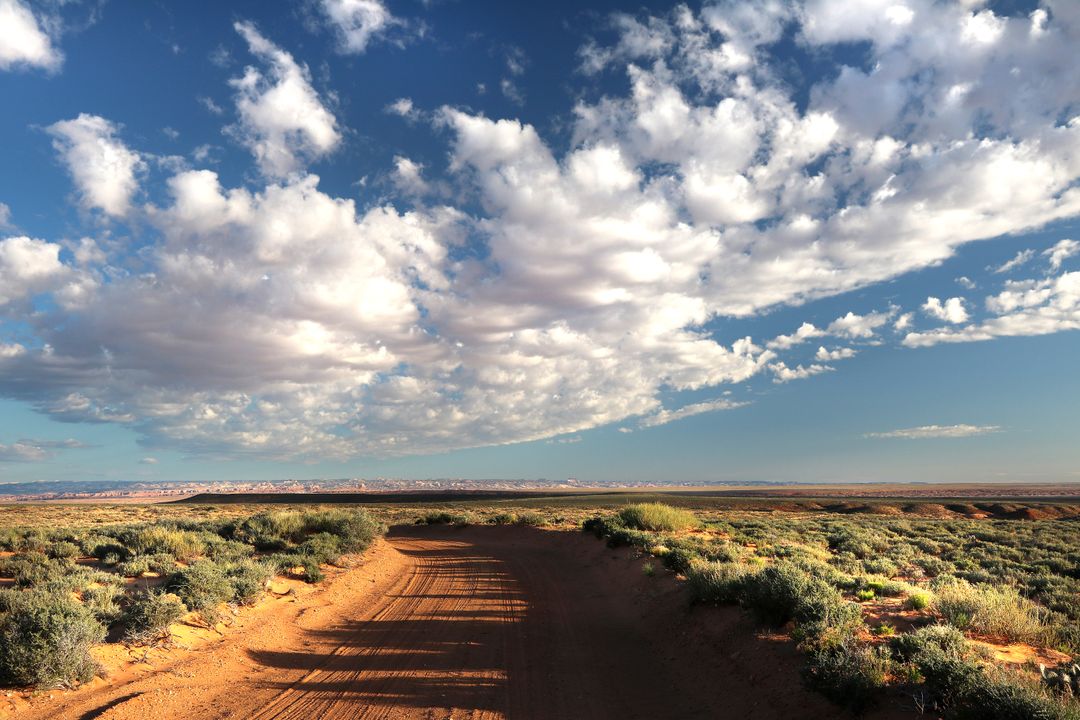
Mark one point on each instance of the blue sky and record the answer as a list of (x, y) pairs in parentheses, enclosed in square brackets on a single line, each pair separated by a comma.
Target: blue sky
[(787, 241)]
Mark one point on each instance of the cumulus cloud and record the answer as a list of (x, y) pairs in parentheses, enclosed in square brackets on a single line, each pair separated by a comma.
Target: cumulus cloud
[(106, 172), (823, 354), (574, 287), (664, 416), (281, 117), (1025, 307), (24, 41), (28, 266), (784, 374), (950, 311), (357, 23), (805, 332), (853, 325), (936, 431)]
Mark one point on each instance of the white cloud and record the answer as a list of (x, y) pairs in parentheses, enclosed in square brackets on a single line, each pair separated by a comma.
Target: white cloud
[(1061, 251), (28, 266), (357, 23), (282, 120), (149, 461), (409, 178), (403, 107), (951, 311), (573, 288), (936, 431), (805, 332), (208, 103), (5, 216), (664, 416), (852, 325), (35, 450), (783, 374), (1025, 307), (23, 41), (825, 355), (105, 171), (903, 322), (1021, 258), (965, 282)]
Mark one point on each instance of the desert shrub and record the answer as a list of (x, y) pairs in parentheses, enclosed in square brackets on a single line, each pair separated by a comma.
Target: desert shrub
[(992, 611), (102, 602), (657, 517), (202, 587), (222, 550), (322, 548), (503, 518), (312, 572), (648, 569), (355, 529), (864, 595), (150, 614), (248, 579), (679, 559), (153, 540), (920, 600), (531, 518), (63, 550), (777, 593), (939, 639), (45, 641), (445, 517), (270, 531), (716, 582), (849, 674)]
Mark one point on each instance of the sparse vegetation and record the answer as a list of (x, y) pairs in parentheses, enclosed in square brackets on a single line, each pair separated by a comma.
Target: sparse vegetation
[(1009, 581), (61, 605)]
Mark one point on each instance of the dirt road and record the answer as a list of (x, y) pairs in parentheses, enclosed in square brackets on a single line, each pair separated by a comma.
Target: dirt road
[(472, 623)]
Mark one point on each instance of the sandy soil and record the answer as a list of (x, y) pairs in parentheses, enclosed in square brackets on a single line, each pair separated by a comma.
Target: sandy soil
[(484, 622)]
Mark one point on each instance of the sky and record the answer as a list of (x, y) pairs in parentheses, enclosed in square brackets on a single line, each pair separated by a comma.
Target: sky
[(804, 241)]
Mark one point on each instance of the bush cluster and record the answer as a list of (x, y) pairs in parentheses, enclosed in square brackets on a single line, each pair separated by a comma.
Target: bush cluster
[(59, 608)]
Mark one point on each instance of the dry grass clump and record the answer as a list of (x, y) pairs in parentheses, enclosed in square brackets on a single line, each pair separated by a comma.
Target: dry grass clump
[(658, 517), (997, 612)]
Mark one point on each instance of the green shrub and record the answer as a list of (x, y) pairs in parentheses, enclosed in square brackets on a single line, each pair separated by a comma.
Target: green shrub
[(648, 569), (355, 529), (679, 559), (444, 517), (942, 640), (996, 612), (150, 614), (102, 602), (716, 582), (849, 674), (63, 550), (202, 587), (312, 572), (503, 518), (248, 578), (919, 600), (152, 540), (657, 517), (322, 548), (531, 519), (45, 641)]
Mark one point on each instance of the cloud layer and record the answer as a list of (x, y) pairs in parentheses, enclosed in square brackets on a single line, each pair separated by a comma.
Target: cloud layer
[(559, 290)]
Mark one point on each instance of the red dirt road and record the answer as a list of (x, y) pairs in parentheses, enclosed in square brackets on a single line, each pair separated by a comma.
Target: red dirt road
[(473, 623)]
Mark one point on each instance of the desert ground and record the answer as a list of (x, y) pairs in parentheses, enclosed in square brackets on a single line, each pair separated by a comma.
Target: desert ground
[(486, 608)]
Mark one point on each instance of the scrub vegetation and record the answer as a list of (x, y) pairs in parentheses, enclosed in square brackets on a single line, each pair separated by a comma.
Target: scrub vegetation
[(839, 584), (64, 590)]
